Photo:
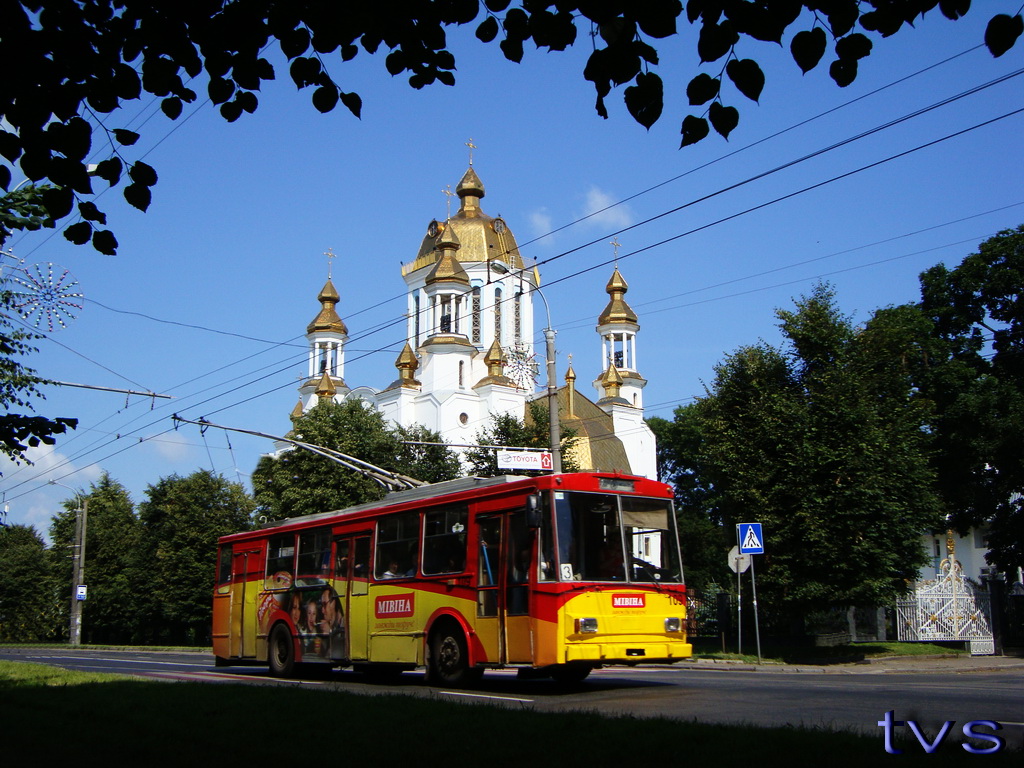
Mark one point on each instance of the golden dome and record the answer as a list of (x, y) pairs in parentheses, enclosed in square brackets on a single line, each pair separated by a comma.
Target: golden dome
[(495, 361), (483, 237), (617, 311), (447, 269), (407, 365), (327, 319), (326, 390)]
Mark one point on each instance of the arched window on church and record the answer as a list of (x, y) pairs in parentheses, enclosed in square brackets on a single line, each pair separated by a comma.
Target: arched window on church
[(323, 358), (416, 317), (476, 315), (462, 372), (446, 314), (497, 315)]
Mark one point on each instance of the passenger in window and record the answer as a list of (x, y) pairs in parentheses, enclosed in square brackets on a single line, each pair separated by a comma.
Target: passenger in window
[(411, 571), (393, 571)]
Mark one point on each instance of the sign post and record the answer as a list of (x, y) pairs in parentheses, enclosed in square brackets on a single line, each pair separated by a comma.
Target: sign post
[(738, 563), (750, 541)]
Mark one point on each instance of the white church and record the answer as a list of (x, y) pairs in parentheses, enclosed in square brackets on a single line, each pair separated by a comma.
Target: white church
[(470, 347)]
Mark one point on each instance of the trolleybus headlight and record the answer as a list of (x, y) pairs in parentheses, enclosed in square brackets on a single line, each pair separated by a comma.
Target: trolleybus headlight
[(674, 624), (586, 626)]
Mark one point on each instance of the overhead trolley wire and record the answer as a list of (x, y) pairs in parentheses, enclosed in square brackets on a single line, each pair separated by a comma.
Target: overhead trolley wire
[(723, 219)]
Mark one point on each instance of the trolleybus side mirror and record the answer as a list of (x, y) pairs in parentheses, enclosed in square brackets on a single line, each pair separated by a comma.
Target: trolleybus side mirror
[(533, 515)]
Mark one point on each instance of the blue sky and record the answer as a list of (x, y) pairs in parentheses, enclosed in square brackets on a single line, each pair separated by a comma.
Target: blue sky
[(211, 290)]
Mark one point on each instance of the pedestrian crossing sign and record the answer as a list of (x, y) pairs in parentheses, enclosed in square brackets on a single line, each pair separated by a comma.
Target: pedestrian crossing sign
[(750, 539)]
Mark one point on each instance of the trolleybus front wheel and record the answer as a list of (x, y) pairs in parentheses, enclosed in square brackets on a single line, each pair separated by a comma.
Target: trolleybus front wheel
[(281, 652)]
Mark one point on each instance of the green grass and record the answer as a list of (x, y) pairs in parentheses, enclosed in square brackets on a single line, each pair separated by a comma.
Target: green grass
[(838, 654), (90, 719)]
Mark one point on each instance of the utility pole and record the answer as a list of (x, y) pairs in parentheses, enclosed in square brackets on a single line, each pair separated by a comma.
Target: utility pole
[(555, 435), (77, 564)]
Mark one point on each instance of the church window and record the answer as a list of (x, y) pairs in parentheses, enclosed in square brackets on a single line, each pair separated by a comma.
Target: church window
[(462, 370), (446, 315), (416, 317), (323, 358), (476, 315)]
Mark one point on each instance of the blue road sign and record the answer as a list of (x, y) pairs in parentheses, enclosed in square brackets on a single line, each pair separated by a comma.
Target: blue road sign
[(751, 541)]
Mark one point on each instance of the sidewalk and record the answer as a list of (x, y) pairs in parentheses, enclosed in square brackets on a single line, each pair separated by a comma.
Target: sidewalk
[(960, 664)]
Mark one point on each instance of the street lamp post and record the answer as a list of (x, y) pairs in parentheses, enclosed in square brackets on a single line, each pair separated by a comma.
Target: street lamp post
[(553, 421), (77, 563)]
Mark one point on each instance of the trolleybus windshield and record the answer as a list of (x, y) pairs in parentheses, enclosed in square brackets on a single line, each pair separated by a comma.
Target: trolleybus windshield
[(607, 537)]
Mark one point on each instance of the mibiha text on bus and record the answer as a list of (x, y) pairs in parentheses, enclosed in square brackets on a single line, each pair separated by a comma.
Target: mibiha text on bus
[(557, 574)]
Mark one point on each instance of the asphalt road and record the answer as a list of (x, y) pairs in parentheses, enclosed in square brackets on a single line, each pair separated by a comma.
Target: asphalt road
[(849, 698)]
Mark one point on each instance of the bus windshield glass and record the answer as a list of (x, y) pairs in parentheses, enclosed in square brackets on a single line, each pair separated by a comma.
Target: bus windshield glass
[(606, 537)]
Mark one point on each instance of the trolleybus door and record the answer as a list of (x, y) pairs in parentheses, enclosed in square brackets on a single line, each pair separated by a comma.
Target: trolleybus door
[(243, 615), (351, 581), (503, 564)]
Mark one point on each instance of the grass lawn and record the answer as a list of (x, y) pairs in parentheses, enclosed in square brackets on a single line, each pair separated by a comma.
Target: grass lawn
[(837, 654), (90, 719)]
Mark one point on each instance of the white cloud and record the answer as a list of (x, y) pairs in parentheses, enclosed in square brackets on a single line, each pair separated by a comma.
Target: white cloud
[(540, 222), (600, 207), (172, 447), (30, 500)]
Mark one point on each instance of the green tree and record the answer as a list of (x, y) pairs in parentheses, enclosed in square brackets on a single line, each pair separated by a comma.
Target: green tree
[(21, 209), (702, 539), (822, 443), (80, 60), (112, 538), (175, 563), (532, 432), (297, 482), (429, 463), (977, 310), (28, 594)]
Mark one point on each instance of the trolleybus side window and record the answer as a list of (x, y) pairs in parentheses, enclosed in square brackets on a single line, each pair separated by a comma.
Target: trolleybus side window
[(444, 540), (398, 539), (280, 561), (518, 559), (488, 562), (361, 565), (314, 556), (224, 567)]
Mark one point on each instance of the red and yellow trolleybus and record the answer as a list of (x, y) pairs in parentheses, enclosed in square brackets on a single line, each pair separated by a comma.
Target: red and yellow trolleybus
[(559, 574)]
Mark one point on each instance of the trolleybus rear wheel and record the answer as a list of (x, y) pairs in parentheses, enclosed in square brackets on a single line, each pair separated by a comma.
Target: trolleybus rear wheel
[(449, 658), (281, 652)]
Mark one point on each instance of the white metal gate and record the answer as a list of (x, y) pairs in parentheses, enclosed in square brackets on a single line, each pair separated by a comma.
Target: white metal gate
[(947, 608)]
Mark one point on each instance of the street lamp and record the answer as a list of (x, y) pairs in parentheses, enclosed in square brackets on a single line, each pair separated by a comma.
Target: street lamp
[(77, 563), (553, 422)]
